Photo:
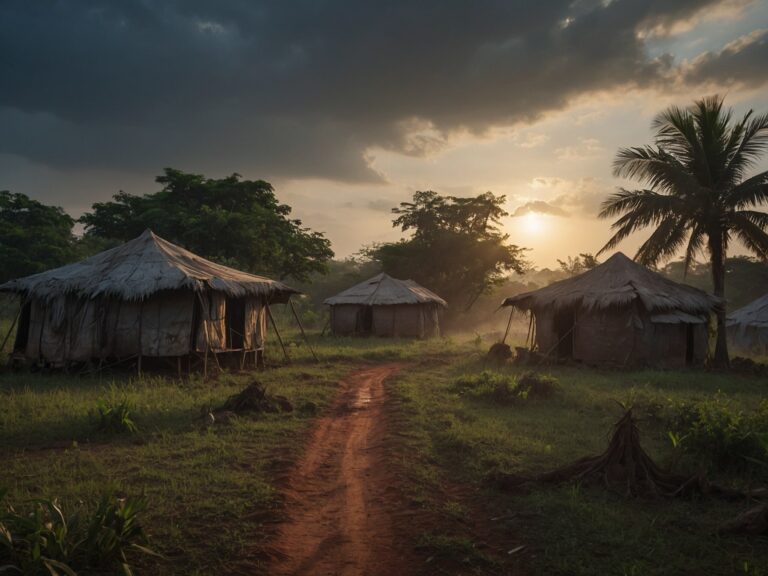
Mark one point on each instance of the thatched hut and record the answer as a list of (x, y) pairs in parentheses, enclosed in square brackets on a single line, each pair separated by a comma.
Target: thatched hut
[(145, 299), (619, 313), (747, 328), (386, 306)]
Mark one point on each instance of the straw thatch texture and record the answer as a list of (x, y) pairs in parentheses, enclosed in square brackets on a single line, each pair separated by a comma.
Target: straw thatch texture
[(383, 290), (142, 267), (617, 283), (748, 327)]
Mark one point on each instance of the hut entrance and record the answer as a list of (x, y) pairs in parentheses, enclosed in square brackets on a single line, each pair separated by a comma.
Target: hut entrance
[(564, 320), (235, 323), (689, 340), (365, 320)]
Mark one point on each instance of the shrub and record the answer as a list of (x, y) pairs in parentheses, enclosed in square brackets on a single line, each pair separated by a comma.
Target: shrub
[(42, 540), (720, 434), (503, 389), (115, 418)]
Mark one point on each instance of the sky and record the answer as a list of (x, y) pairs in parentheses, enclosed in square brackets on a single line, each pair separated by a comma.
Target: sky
[(348, 107)]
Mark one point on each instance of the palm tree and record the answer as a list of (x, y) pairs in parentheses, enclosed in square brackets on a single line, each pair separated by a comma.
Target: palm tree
[(697, 196)]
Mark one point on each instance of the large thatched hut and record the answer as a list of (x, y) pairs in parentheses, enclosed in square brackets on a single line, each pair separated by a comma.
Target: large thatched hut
[(747, 328), (146, 299), (620, 313), (386, 306)]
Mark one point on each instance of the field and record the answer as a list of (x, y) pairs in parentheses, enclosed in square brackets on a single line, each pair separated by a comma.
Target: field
[(215, 491)]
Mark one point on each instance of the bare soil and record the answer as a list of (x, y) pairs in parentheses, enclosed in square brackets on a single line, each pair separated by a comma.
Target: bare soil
[(344, 513)]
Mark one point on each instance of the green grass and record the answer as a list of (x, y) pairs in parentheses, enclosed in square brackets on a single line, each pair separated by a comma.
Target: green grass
[(212, 491), (457, 440)]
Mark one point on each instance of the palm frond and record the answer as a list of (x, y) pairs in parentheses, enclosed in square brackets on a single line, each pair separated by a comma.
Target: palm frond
[(752, 192), (695, 245), (656, 168), (665, 241), (750, 231), (753, 143)]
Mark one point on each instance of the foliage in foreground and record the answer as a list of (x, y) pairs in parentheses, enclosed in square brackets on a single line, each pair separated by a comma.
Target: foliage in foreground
[(42, 539), (115, 418), (718, 434)]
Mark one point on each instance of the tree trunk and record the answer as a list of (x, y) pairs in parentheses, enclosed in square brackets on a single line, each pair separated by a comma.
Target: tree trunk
[(718, 281)]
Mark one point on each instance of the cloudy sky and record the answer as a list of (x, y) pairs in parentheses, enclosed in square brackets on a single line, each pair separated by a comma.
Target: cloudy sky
[(349, 106)]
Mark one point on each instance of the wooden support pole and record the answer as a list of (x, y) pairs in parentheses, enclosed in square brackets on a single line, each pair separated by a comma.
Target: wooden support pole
[(277, 333), (10, 330), (306, 340), (509, 323)]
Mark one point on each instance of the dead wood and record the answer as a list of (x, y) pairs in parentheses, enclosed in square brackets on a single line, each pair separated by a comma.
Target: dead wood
[(625, 467), (254, 398), (753, 522)]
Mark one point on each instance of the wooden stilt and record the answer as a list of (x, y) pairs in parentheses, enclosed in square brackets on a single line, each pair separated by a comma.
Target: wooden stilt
[(509, 323), (277, 333), (306, 340)]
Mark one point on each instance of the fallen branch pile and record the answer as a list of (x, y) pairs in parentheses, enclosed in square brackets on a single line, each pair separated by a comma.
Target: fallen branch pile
[(254, 398)]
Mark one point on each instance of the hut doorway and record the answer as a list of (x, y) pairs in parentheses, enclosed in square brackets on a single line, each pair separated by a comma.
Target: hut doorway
[(365, 320), (564, 320), (689, 342), (235, 323)]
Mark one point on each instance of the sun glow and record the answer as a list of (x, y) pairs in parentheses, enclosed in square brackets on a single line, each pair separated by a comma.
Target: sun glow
[(534, 223)]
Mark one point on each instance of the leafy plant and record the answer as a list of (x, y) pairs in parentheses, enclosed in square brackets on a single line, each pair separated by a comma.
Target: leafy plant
[(44, 541), (116, 418), (719, 433)]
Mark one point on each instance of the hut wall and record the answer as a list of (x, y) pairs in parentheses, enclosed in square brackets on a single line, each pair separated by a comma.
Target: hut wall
[(400, 320), (344, 318), (166, 324), (749, 340), (606, 336), (212, 322), (546, 335), (255, 324), (431, 315)]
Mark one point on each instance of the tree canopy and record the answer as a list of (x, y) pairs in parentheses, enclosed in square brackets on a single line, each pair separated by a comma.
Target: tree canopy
[(230, 220), (33, 237), (456, 249)]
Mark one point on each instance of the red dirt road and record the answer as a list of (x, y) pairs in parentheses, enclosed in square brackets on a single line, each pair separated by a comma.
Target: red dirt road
[(341, 500)]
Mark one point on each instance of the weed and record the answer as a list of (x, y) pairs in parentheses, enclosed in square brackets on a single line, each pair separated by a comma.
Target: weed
[(44, 540), (115, 418)]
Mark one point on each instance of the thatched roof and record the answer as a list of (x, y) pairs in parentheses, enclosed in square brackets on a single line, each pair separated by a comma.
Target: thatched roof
[(754, 314), (618, 282), (383, 290), (141, 267)]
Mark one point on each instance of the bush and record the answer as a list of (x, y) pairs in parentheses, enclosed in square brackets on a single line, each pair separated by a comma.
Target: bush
[(115, 418), (720, 434), (42, 540), (504, 389)]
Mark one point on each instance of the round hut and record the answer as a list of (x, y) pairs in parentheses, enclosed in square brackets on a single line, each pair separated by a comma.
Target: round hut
[(619, 313), (147, 299), (747, 328), (386, 306)]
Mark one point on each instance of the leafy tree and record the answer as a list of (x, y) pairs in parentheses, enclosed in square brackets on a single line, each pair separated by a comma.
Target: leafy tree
[(575, 266), (456, 247), (230, 220), (33, 237), (747, 277), (698, 195)]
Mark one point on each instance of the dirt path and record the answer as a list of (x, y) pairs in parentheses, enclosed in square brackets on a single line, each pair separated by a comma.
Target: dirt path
[(341, 500)]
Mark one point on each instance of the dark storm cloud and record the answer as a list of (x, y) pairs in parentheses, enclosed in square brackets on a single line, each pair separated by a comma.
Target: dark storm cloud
[(742, 61), (301, 88)]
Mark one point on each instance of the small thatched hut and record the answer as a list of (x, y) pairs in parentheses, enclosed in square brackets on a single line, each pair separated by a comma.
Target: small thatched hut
[(620, 313), (147, 298), (747, 328), (386, 306)]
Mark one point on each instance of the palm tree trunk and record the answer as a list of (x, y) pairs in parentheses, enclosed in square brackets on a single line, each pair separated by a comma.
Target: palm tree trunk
[(717, 254)]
